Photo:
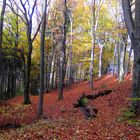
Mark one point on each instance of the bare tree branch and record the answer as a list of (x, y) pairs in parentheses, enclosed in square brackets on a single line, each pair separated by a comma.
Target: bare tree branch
[(33, 9), (37, 30), (15, 12), (17, 6), (23, 6)]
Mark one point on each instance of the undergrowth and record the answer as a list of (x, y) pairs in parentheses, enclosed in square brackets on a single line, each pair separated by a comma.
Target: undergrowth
[(130, 117)]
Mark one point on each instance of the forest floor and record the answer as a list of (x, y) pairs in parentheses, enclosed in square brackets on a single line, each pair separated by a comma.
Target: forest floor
[(61, 121)]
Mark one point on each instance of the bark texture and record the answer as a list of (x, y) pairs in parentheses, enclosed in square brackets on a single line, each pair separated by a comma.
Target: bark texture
[(133, 27), (42, 45)]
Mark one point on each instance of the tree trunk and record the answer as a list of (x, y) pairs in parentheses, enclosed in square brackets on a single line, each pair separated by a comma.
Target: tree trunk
[(63, 55), (136, 67), (128, 18), (124, 61), (114, 58), (100, 61), (28, 73), (91, 64), (42, 44), (1, 40), (28, 11), (70, 53), (128, 63), (1, 24), (95, 13), (14, 82), (121, 69), (118, 58), (53, 73), (134, 33), (49, 65)]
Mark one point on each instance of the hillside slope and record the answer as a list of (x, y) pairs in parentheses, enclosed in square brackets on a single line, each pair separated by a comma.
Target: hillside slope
[(61, 121)]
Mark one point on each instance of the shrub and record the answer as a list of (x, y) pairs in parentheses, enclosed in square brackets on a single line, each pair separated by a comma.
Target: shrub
[(83, 101), (129, 116)]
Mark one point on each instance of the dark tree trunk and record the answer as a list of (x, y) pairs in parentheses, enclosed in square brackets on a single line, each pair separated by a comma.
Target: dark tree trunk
[(1, 40), (42, 46), (136, 67), (28, 11), (1, 24), (14, 82), (28, 72), (133, 27), (63, 56)]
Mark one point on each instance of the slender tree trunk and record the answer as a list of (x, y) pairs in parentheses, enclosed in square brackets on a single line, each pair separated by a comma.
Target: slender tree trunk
[(124, 59), (70, 68), (128, 63), (23, 72), (15, 55), (42, 44), (114, 59), (28, 73), (63, 56), (1, 39), (61, 82), (49, 65), (53, 73), (7, 95), (1, 87), (100, 61), (52, 65), (92, 59), (70, 53), (14, 82), (118, 58), (93, 29), (1, 24), (121, 69)]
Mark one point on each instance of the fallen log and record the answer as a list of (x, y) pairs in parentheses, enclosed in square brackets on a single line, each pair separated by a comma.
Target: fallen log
[(83, 100), (101, 93), (83, 103), (10, 125), (85, 107)]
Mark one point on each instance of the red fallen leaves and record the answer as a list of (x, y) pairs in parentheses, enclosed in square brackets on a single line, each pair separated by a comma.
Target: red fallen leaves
[(63, 122)]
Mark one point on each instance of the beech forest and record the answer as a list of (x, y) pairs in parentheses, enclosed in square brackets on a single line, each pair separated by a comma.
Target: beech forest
[(69, 69)]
